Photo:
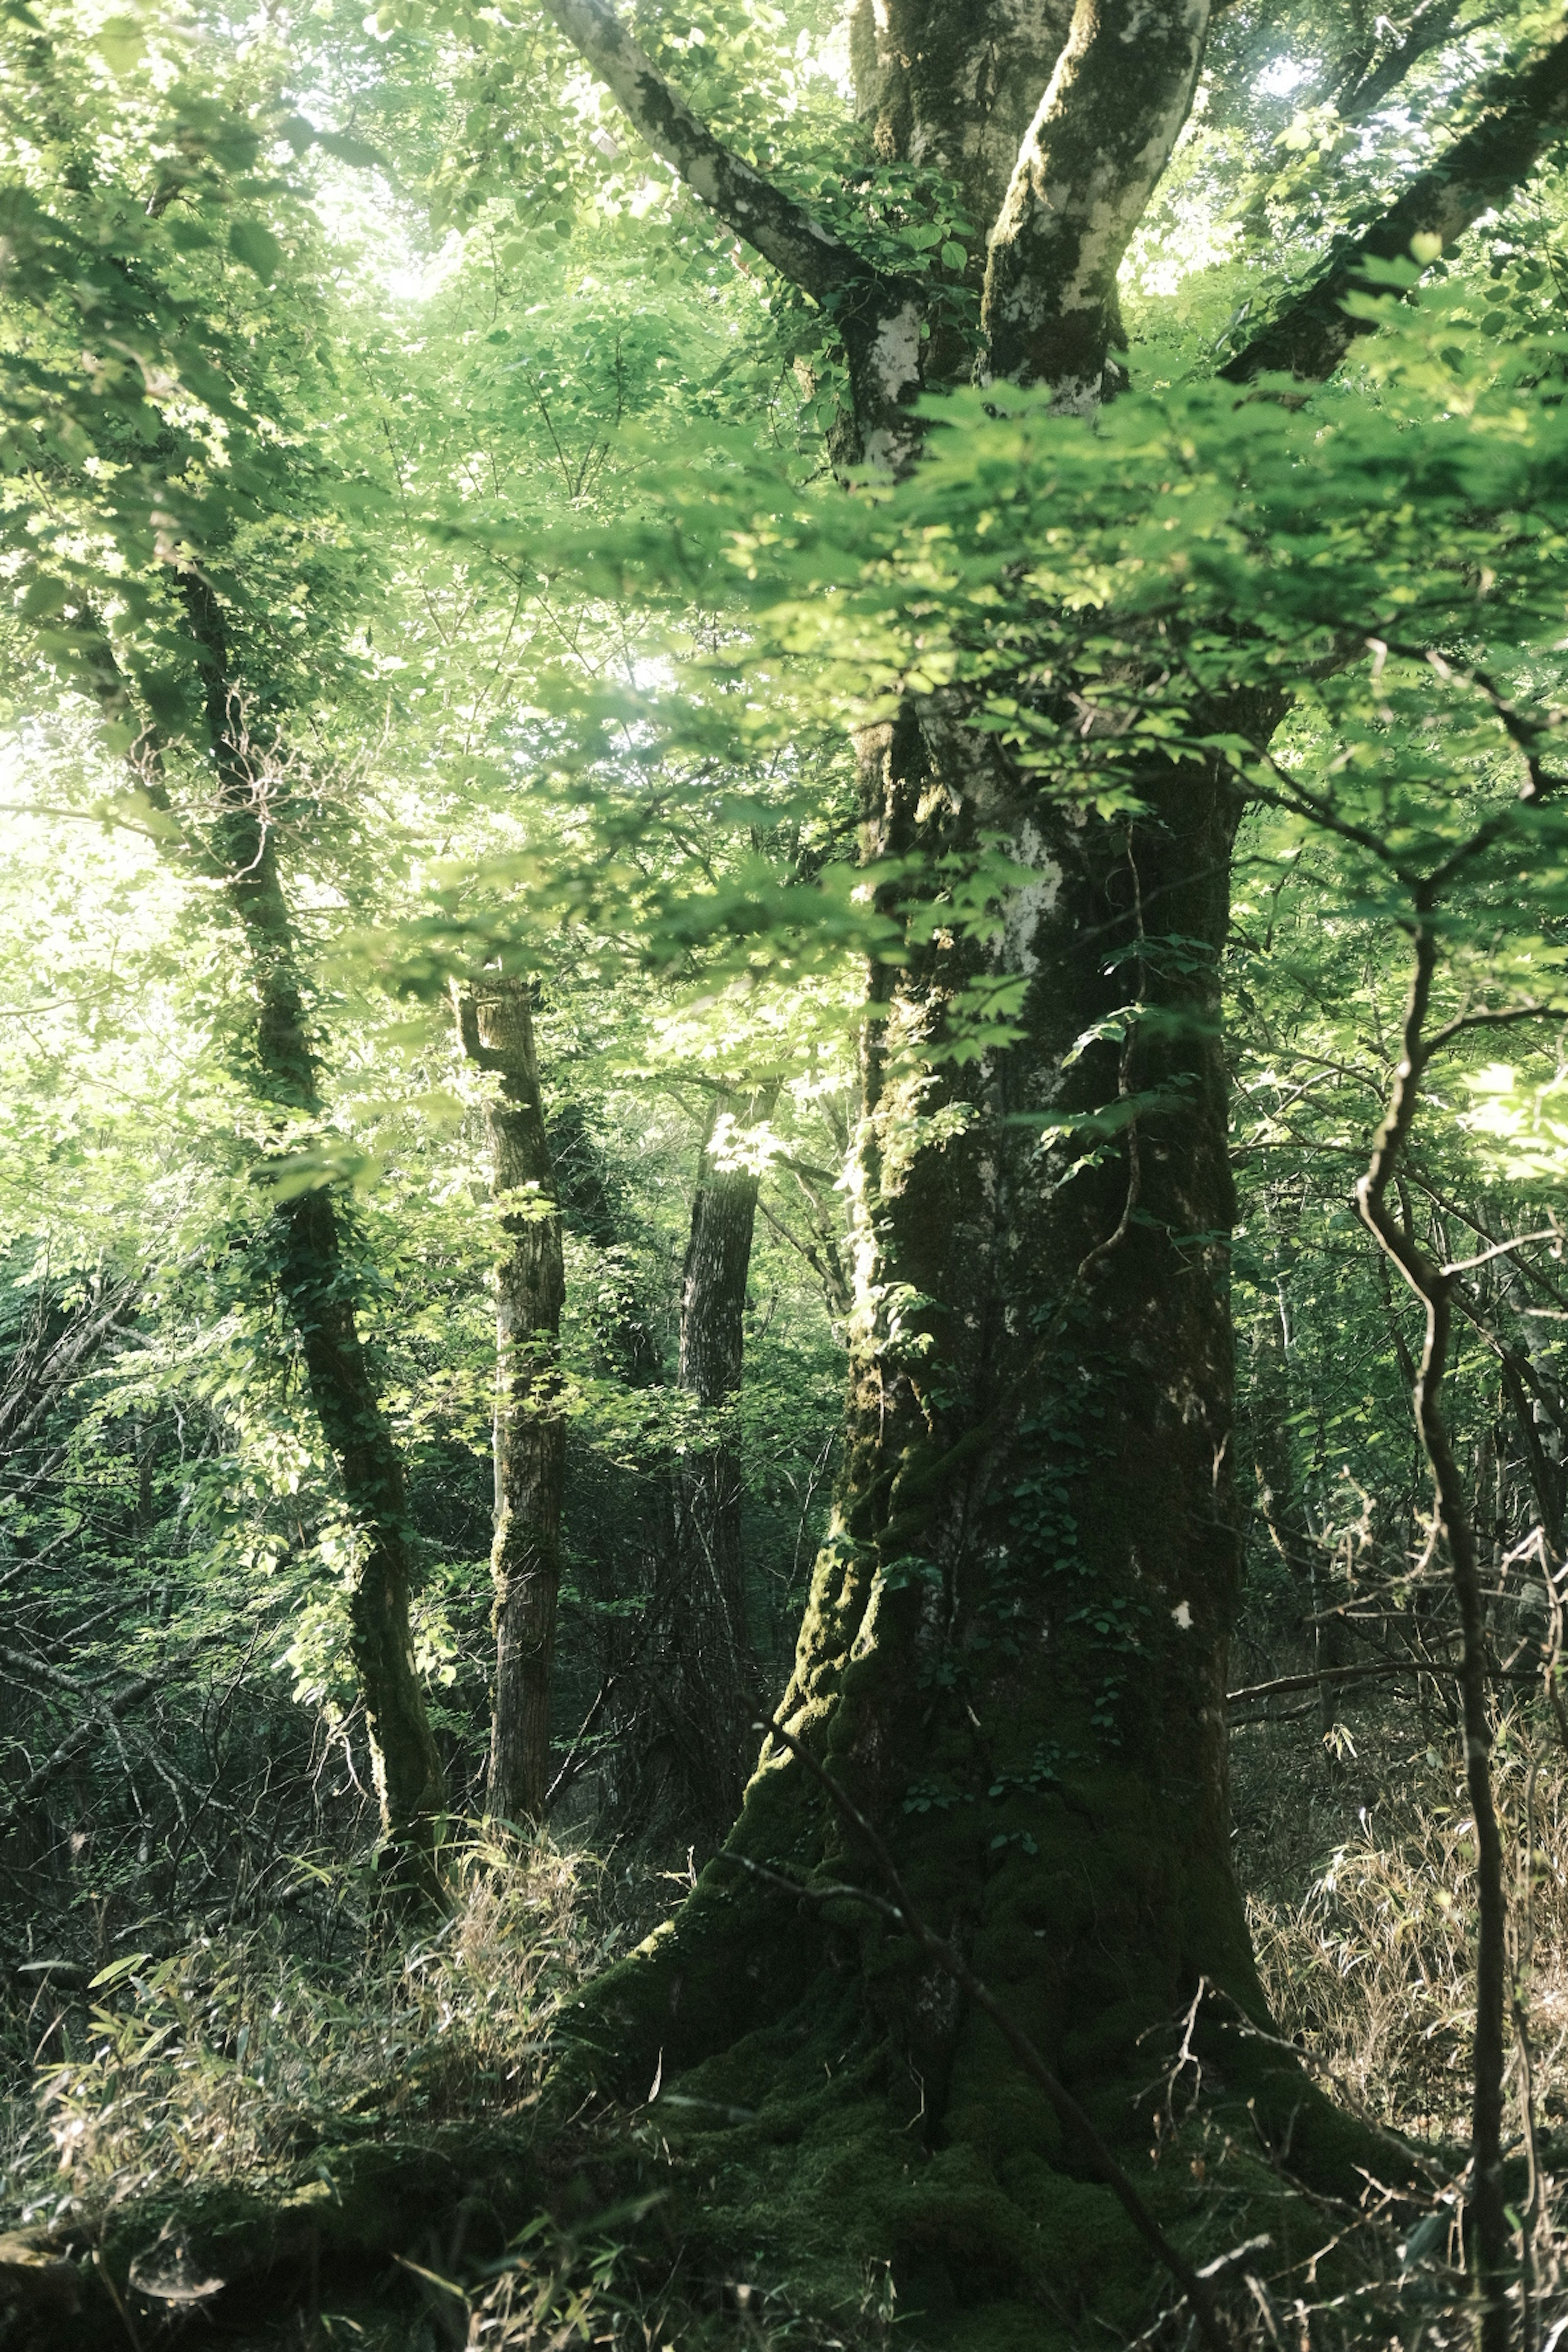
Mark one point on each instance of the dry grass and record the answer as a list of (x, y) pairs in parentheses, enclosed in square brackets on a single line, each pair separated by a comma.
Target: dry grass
[(1368, 1960), (220, 2061)]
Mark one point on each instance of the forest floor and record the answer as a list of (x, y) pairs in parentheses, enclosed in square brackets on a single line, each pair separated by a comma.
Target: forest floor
[(238, 2062)]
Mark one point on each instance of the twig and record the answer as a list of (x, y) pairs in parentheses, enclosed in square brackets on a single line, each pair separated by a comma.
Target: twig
[(99, 1712)]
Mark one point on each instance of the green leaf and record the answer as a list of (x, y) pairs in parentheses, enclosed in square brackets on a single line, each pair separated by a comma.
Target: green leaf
[(117, 1968), (954, 257), (120, 42), (349, 150), (46, 596), (254, 244)]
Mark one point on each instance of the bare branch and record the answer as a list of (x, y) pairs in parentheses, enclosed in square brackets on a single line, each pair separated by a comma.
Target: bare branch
[(1501, 1249), (1501, 1018), (100, 1713)]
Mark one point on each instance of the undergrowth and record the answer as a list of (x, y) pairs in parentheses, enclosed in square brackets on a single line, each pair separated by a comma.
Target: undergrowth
[(1370, 1964), (221, 2061), (229, 2058)]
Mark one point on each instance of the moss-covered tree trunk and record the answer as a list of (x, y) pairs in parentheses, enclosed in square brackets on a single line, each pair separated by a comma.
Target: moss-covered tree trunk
[(1015, 1654), (316, 1281), (497, 1027)]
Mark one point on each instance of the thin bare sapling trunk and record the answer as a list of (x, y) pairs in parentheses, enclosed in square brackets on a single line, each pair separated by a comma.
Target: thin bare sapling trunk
[(1434, 1286), (495, 1022)]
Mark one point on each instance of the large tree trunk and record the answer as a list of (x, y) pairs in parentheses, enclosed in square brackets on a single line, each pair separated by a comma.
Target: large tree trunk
[(1015, 1654), (317, 1288), (1013, 1658), (497, 1030)]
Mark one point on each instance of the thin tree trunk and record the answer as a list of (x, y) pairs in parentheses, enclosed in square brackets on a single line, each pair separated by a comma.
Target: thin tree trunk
[(497, 1029), (710, 1676), (1435, 1287), (626, 1347), (1284, 1507), (317, 1289)]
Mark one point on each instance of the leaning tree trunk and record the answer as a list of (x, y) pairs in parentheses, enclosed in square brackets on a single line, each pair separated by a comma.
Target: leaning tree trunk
[(317, 1289), (497, 1028)]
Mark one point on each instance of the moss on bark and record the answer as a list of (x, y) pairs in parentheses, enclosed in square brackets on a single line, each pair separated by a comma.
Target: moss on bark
[(1013, 1659)]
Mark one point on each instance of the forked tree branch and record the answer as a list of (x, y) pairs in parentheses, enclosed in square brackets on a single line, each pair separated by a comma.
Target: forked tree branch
[(879, 318), (100, 1714)]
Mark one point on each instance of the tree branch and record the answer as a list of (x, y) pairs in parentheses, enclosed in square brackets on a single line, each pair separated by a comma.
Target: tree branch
[(782, 231), (1088, 165), (100, 1713), (1364, 87), (1521, 113), (879, 318)]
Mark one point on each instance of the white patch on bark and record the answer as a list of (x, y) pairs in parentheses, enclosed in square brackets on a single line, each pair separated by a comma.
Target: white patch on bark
[(1113, 203), (1182, 1615), (1030, 903), (896, 353), (895, 370)]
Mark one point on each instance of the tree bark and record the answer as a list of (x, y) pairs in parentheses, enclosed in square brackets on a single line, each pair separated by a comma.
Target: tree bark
[(1088, 165), (497, 1029), (710, 1692), (1014, 1656), (688, 1693), (316, 1286)]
